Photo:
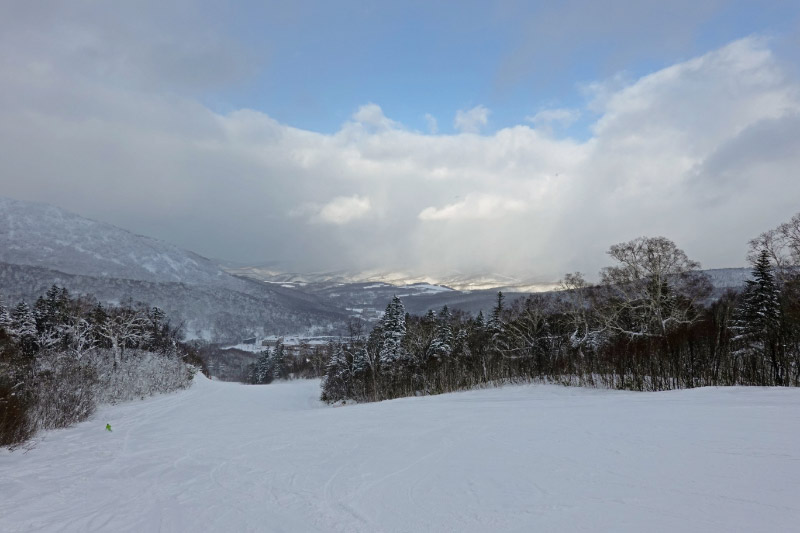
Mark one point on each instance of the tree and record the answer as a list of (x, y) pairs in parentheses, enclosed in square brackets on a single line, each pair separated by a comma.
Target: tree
[(264, 368), (782, 245), (442, 345), (653, 287), (495, 327), (80, 334), (279, 366), (5, 317), (757, 319), (23, 327), (394, 332), (123, 328), (577, 307), (336, 385)]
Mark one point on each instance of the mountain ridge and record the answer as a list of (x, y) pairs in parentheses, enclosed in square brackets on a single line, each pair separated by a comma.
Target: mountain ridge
[(42, 244)]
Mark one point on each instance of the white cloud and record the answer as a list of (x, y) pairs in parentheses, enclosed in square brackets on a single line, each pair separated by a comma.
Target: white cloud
[(562, 116), (433, 124), (471, 120), (704, 152), (344, 209), (372, 115), (474, 207)]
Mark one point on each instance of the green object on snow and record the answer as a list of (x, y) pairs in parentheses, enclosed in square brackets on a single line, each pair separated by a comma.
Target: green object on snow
[(108, 427)]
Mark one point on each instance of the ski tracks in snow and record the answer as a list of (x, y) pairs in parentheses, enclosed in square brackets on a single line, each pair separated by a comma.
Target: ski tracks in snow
[(226, 457)]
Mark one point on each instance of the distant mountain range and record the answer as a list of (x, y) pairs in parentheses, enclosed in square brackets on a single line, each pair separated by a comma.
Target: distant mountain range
[(454, 281), (41, 245)]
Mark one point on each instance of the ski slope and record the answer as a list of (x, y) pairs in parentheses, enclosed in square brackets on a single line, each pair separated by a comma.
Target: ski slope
[(228, 457)]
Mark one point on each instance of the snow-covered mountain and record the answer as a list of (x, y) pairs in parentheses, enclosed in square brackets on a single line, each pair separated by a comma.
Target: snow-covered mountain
[(41, 244), (455, 281), (366, 293), (728, 278), (45, 236)]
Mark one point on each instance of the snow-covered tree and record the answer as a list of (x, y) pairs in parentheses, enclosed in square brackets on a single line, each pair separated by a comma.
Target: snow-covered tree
[(337, 383), (757, 319), (5, 317), (80, 335), (782, 245), (123, 328), (442, 345), (495, 328), (23, 327), (264, 367), (394, 332), (480, 321), (653, 287), (279, 363)]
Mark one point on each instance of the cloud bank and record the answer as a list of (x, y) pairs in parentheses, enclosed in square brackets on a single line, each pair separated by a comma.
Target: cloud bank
[(705, 152)]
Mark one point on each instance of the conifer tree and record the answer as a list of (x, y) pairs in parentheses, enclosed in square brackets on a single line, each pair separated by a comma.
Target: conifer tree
[(23, 327), (279, 370), (757, 318), (495, 327), (480, 321), (758, 314), (336, 384), (442, 345), (394, 332), (495, 323), (263, 370), (5, 317)]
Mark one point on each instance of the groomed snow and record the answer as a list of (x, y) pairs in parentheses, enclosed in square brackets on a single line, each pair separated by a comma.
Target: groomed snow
[(227, 457)]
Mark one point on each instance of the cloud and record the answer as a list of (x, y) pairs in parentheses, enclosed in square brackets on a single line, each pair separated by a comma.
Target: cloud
[(471, 120), (474, 207), (433, 124), (704, 151), (372, 115), (344, 209), (562, 116)]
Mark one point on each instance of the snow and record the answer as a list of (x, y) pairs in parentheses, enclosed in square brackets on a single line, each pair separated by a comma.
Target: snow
[(42, 235), (229, 457)]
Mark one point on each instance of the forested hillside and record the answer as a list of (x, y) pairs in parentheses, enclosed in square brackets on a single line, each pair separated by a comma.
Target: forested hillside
[(63, 356), (649, 325), (41, 245)]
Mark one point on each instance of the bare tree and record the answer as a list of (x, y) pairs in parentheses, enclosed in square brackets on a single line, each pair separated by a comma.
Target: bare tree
[(576, 304), (653, 287), (81, 335), (123, 328), (782, 244)]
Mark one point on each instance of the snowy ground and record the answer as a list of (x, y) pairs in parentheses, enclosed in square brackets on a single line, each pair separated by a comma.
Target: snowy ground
[(227, 457)]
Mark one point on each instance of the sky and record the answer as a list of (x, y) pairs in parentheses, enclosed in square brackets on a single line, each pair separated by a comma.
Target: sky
[(521, 138)]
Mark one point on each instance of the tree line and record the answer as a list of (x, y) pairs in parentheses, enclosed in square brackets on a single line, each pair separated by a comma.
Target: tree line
[(285, 362), (64, 355), (649, 324)]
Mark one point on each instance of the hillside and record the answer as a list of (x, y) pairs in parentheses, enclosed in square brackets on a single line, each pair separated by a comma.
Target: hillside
[(45, 236), (41, 245), (228, 457)]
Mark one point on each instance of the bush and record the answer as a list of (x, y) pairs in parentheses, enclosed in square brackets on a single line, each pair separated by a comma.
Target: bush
[(64, 357)]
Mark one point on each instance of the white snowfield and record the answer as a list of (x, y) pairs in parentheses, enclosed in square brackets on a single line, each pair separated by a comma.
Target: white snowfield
[(234, 458)]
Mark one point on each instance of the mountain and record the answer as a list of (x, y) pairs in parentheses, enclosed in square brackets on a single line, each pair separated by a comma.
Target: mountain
[(45, 236), (454, 281), (41, 245), (365, 294)]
